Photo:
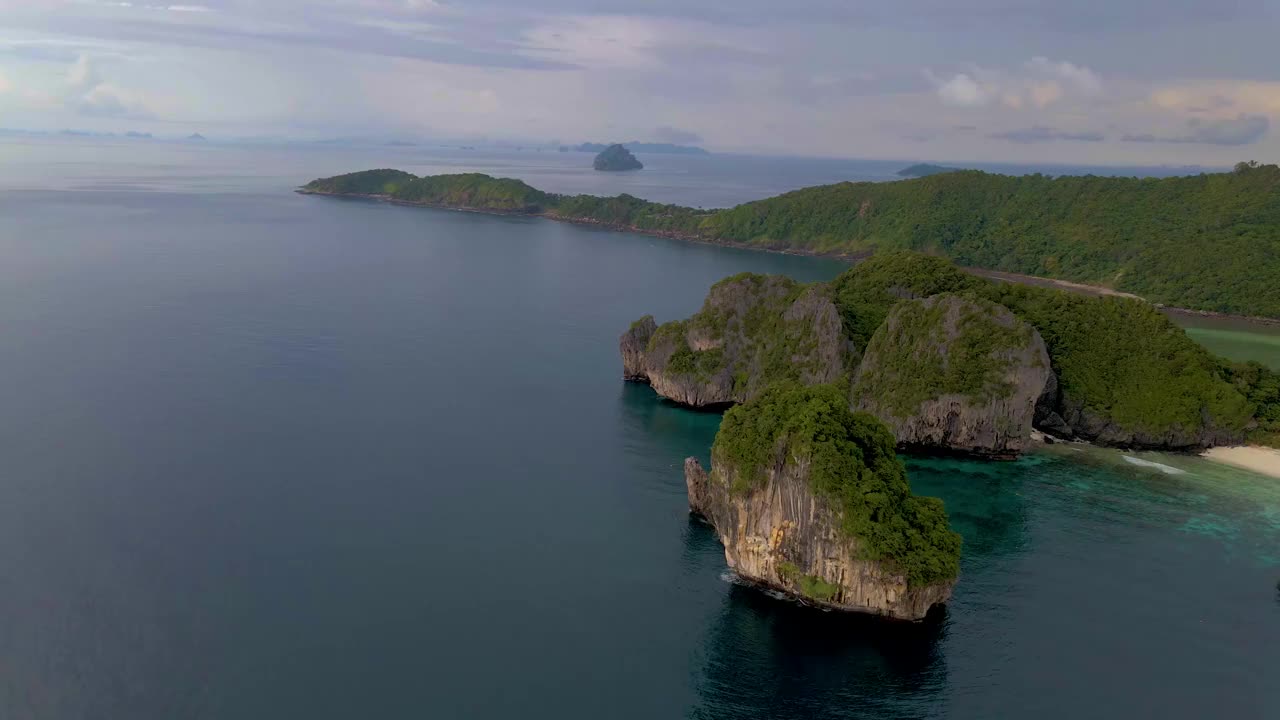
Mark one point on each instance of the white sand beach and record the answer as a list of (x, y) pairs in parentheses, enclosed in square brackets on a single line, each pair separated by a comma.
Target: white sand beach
[(1250, 457)]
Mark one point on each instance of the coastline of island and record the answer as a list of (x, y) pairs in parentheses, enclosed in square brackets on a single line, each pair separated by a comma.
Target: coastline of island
[(778, 248), (1254, 458)]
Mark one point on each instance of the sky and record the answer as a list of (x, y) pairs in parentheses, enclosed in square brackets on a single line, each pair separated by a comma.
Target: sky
[(1088, 81)]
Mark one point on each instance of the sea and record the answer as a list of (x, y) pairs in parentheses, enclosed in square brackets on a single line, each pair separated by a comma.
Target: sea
[(266, 455)]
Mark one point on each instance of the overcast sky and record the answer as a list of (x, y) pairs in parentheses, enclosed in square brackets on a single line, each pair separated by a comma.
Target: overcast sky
[(1088, 81)]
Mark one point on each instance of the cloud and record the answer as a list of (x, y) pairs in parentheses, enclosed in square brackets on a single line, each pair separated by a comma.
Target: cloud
[(1240, 130), (5, 85), (1037, 83), (88, 93), (963, 91), (83, 76), (1236, 96), (1042, 134), (1078, 77), (676, 136), (1015, 78)]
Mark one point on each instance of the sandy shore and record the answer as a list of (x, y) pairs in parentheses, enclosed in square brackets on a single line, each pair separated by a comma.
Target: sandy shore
[(1258, 459)]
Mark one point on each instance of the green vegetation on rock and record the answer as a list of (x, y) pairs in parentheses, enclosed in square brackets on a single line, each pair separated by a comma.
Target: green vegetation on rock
[(753, 331), (1119, 359), (865, 293), (851, 460), (817, 588), (1260, 385), (1124, 360), (911, 366)]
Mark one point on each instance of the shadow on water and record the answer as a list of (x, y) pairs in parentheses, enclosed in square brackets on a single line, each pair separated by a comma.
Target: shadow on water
[(671, 431), (984, 502), (766, 657)]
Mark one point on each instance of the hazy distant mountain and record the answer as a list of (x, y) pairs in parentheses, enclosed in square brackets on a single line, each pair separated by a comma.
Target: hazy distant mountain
[(196, 136), (84, 133), (924, 170), (642, 147), (139, 135)]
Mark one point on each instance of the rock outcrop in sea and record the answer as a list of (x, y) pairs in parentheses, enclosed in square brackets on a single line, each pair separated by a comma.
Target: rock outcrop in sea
[(616, 158), (752, 331), (810, 499), (955, 374)]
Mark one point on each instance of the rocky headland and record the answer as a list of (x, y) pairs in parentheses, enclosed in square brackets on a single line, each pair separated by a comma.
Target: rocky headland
[(753, 331), (809, 498), (955, 363), (948, 373)]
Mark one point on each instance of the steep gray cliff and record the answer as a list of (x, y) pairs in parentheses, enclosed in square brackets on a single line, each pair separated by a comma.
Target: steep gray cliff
[(809, 497), (955, 374), (632, 345), (752, 331), (784, 537)]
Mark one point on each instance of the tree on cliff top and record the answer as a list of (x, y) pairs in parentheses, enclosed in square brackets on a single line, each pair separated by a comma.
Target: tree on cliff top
[(852, 461)]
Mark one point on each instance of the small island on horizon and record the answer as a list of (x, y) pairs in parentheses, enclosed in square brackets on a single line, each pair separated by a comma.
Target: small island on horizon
[(616, 158), (641, 147), (925, 170)]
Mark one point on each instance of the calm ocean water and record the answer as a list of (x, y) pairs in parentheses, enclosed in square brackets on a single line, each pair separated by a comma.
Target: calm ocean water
[(265, 455)]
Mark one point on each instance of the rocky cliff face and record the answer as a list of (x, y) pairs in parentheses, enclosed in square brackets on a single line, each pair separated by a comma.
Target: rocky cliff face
[(810, 498), (955, 374), (752, 331), (783, 536), (632, 345)]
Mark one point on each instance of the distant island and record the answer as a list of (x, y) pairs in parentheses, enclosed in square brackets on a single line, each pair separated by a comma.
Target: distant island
[(196, 136), (1205, 242), (924, 170), (138, 135), (616, 158), (642, 147)]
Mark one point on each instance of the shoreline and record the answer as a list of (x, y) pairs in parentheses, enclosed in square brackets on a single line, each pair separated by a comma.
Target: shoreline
[(1255, 458), (852, 258)]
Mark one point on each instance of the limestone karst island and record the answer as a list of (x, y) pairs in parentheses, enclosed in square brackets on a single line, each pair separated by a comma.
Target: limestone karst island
[(912, 351), (616, 158)]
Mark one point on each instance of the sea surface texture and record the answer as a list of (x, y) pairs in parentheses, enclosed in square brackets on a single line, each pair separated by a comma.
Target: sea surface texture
[(265, 455)]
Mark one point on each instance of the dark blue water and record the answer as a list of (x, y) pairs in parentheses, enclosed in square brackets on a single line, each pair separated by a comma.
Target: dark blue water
[(265, 455)]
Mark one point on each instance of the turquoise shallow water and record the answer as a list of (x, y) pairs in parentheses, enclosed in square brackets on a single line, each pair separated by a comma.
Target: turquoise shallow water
[(265, 455)]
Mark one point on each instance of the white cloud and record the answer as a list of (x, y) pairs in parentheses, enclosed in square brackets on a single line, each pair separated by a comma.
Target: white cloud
[(83, 76), (813, 77), (89, 93), (1081, 79), (963, 91), (1037, 83)]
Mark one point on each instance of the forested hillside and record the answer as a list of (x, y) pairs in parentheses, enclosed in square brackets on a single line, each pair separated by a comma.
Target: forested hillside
[(1208, 242)]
